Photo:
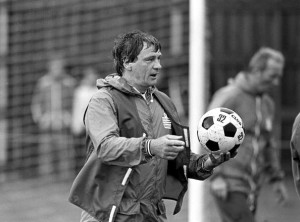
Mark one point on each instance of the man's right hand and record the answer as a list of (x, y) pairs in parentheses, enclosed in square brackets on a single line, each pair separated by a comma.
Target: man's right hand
[(167, 147)]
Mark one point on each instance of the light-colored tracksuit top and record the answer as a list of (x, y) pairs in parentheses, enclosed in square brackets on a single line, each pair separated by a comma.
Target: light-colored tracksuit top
[(52, 102), (257, 159), (119, 176)]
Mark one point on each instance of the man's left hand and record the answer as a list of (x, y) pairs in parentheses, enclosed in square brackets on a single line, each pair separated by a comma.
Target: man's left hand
[(215, 160)]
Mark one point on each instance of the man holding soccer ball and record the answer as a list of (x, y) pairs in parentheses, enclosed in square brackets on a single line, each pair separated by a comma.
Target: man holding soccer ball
[(138, 151), (235, 185)]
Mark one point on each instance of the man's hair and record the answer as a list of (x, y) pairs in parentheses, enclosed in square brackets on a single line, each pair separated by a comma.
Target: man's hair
[(129, 45), (260, 59)]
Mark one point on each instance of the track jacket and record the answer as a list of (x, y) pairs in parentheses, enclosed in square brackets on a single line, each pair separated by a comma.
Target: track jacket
[(257, 158), (52, 102), (119, 177)]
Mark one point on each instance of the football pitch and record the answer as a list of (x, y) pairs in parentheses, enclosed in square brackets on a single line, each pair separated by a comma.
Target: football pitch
[(39, 200)]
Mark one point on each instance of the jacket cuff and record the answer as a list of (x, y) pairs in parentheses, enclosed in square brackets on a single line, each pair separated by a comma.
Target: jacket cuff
[(196, 169), (146, 149)]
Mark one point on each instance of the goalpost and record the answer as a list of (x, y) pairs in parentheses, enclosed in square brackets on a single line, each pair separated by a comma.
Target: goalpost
[(196, 99)]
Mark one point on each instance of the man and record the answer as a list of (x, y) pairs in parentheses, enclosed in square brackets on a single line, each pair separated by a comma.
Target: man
[(51, 111), (235, 184), (295, 153), (138, 152)]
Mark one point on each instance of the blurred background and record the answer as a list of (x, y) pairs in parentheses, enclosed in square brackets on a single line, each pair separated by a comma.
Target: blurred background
[(40, 153)]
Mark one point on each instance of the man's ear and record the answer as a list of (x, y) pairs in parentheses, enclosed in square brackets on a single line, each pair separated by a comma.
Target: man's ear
[(127, 65)]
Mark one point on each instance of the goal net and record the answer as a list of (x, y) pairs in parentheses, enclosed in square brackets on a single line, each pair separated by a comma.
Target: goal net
[(36, 134)]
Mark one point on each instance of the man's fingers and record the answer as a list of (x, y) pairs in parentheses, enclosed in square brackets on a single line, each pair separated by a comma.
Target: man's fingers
[(225, 157), (174, 137), (212, 158), (176, 143), (174, 140), (174, 149), (172, 152), (170, 156), (168, 146)]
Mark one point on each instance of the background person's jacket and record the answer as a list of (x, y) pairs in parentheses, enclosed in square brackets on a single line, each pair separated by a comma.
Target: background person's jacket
[(104, 185), (257, 160)]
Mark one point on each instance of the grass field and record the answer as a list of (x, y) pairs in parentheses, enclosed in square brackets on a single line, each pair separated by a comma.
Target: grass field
[(45, 201)]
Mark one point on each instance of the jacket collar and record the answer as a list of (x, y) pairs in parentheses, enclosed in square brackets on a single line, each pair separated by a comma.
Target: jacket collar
[(242, 81), (117, 82)]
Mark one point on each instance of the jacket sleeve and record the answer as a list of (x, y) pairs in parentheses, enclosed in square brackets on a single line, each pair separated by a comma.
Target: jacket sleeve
[(102, 127), (195, 169), (272, 161), (271, 151)]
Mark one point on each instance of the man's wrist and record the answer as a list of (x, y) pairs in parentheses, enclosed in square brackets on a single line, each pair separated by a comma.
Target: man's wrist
[(146, 149), (208, 164), (203, 166)]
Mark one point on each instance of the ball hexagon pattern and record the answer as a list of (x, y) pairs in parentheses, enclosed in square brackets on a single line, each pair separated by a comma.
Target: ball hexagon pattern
[(220, 130)]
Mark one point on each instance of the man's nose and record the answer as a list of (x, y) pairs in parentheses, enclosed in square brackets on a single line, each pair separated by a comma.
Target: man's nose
[(157, 65)]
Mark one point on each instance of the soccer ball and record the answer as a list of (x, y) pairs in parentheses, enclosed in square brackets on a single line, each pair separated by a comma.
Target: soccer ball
[(221, 130)]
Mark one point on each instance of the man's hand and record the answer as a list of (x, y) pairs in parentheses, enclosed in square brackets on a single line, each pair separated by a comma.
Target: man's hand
[(215, 160), (219, 188), (167, 147), (280, 190)]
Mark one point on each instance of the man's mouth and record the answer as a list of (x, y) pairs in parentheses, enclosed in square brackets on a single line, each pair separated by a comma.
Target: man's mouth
[(153, 74)]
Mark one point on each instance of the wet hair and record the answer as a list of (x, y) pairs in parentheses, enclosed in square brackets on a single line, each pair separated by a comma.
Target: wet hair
[(260, 59), (129, 45)]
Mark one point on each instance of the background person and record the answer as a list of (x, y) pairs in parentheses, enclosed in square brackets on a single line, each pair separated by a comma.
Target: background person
[(235, 185), (82, 95), (51, 111), (139, 153)]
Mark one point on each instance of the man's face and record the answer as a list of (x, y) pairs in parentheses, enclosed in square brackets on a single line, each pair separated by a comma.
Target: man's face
[(270, 77), (56, 67), (145, 69)]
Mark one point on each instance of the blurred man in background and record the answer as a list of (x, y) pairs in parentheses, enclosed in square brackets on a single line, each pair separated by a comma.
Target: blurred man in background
[(295, 153), (138, 151), (235, 185), (52, 111)]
